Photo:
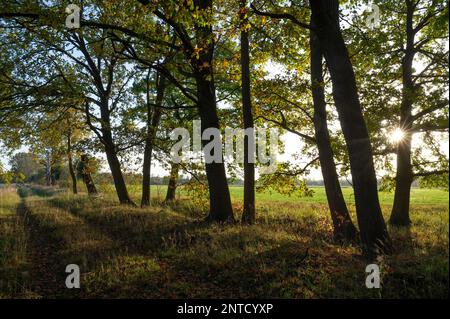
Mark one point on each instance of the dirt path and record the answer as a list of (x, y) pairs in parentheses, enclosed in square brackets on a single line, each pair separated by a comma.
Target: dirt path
[(45, 278)]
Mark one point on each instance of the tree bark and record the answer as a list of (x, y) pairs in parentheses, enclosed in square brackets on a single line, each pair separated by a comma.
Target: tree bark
[(172, 186), (86, 173), (116, 172), (342, 224), (404, 175), (403, 181), (248, 215), (111, 154), (219, 194), (373, 231), (48, 169), (153, 119), (52, 176), (70, 160)]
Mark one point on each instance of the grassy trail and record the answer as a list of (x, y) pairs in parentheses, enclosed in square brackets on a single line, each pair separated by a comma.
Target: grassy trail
[(55, 239), (13, 246), (43, 273)]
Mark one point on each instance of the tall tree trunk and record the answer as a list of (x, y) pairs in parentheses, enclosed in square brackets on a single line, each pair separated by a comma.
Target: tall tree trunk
[(403, 181), (153, 119), (87, 177), (70, 160), (172, 186), (48, 168), (219, 194), (248, 215), (52, 176), (373, 231), (48, 180), (111, 154), (404, 176), (342, 223), (116, 172)]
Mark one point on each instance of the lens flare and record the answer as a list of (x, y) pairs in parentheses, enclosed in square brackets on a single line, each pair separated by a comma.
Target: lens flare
[(397, 136)]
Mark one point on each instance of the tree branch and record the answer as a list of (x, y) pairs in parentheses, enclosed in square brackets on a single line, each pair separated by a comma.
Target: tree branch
[(424, 174), (281, 16)]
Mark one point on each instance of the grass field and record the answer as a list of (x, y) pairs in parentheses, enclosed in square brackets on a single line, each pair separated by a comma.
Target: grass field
[(167, 252), (418, 196)]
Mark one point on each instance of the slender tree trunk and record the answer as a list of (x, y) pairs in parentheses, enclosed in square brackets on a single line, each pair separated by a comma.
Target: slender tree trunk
[(52, 176), (219, 194), (342, 223), (48, 169), (70, 160), (248, 215), (111, 154), (404, 176), (403, 181), (373, 231), (172, 186), (116, 172), (87, 177), (153, 119)]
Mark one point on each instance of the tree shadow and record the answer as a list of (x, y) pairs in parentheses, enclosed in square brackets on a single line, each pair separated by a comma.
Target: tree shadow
[(140, 231), (25, 190), (402, 239)]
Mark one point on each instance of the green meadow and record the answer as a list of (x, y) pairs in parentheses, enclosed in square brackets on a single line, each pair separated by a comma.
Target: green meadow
[(419, 196)]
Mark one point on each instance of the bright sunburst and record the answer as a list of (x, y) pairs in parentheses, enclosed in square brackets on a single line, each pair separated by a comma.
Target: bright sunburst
[(397, 136)]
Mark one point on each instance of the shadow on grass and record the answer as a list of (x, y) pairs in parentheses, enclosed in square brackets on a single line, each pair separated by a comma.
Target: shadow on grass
[(139, 230), (27, 190), (55, 241)]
